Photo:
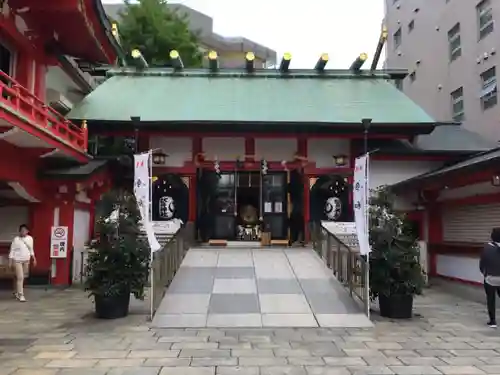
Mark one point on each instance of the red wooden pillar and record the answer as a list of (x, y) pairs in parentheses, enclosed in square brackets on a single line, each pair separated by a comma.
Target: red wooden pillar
[(40, 80), (249, 149), (350, 180), (196, 151), (41, 217), (143, 142), (307, 208), (192, 198), (302, 152)]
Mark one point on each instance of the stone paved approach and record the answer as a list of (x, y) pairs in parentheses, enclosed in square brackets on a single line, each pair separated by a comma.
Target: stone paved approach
[(54, 334), (234, 287)]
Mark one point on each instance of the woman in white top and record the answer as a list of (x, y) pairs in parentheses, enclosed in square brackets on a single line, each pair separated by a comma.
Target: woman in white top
[(21, 251)]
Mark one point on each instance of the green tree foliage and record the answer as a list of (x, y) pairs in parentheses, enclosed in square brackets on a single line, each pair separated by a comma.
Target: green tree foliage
[(155, 29), (394, 260), (119, 260)]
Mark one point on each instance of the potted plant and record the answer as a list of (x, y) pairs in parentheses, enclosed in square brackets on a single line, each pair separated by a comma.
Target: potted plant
[(118, 261), (395, 272)]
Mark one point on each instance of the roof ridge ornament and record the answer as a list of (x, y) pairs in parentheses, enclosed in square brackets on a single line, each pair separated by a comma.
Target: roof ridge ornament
[(139, 59)]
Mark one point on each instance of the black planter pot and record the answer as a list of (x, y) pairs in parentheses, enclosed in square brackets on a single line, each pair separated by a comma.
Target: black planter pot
[(396, 307), (113, 307)]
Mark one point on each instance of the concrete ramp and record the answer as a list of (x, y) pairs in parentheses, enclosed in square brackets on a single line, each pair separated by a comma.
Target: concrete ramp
[(261, 287)]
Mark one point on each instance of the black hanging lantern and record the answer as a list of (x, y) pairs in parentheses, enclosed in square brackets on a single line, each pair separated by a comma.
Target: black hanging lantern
[(159, 158)]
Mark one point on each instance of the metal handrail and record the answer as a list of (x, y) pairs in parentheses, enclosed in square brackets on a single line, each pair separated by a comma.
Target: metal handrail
[(22, 101), (164, 265), (346, 263)]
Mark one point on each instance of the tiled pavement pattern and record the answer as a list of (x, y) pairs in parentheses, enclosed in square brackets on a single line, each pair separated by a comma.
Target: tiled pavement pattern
[(54, 333), (230, 287)]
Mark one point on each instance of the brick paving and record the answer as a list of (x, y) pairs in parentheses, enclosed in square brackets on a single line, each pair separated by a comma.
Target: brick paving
[(55, 333)]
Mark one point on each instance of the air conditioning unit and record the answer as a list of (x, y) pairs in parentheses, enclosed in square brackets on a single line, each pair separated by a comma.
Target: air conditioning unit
[(58, 101)]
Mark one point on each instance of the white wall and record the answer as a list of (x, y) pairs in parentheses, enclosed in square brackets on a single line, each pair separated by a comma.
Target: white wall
[(81, 233), (11, 217), (389, 172), (57, 80), (273, 149), (178, 149), (224, 148), (459, 267), (468, 191), (322, 151)]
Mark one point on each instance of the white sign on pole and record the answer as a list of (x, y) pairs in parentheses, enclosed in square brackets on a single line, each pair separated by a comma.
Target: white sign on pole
[(59, 242), (142, 192), (360, 196)]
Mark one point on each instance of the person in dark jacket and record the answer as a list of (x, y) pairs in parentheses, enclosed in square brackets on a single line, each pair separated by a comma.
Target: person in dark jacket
[(489, 265)]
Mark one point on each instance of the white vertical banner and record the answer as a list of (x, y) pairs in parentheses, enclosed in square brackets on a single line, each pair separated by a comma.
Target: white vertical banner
[(142, 192), (360, 197)]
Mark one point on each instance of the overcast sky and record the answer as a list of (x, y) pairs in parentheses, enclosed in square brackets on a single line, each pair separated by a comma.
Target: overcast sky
[(341, 28)]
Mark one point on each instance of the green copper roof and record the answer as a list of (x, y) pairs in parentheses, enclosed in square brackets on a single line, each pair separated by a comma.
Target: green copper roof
[(264, 97)]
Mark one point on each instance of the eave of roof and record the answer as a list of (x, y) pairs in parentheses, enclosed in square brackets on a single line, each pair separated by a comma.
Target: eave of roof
[(76, 172), (480, 160), (106, 25)]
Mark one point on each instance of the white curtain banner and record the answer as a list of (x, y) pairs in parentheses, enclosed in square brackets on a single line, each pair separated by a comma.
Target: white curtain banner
[(142, 188), (360, 197)]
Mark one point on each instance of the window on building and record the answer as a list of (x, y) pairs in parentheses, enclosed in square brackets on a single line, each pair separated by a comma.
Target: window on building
[(485, 21), (454, 42), (6, 61), (489, 89), (398, 38), (411, 26), (457, 104)]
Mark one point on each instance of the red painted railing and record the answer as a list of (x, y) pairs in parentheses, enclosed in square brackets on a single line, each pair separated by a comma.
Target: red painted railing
[(39, 114)]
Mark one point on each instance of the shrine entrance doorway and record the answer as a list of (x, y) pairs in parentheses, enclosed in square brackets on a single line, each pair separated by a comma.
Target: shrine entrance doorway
[(239, 205)]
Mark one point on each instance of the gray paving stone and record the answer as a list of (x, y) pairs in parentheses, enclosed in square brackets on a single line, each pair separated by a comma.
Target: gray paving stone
[(92, 371), (345, 361), (306, 361), (460, 370), (414, 370), (330, 303), (196, 285), (464, 361), (252, 353), (237, 370), (235, 273), (204, 353), (370, 370), (167, 362), (234, 286), (203, 362), (278, 286), (423, 361), (490, 369), (134, 371), (282, 370), (313, 370), (188, 371), (262, 361), (234, 304), (317, 286)]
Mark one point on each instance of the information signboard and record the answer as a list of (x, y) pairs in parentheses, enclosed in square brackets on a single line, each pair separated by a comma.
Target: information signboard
[(59, 242)]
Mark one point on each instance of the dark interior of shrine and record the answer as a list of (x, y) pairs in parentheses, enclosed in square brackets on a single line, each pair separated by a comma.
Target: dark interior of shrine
[(248, 204)]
